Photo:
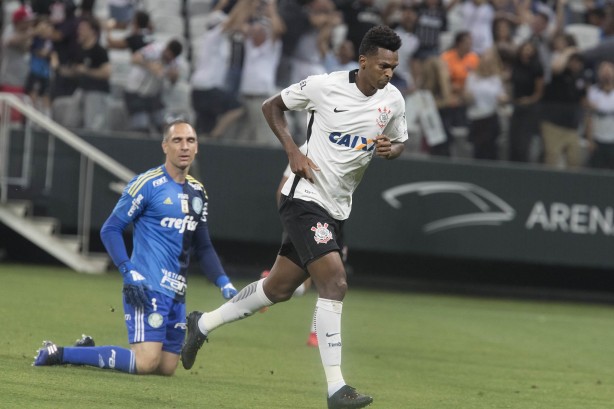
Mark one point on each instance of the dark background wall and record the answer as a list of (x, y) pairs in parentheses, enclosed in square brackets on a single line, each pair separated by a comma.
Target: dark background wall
[(436, 222)]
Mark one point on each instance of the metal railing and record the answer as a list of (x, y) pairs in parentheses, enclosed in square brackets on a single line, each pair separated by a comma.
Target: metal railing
[(90, 156)]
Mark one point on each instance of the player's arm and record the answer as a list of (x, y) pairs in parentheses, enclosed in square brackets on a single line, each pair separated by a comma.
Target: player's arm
[(210, 263), (273, 109), (112, 237)]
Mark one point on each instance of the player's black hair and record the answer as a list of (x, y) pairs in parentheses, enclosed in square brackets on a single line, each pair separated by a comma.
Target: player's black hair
[(379, 37), (175, 47), (169, 125), (142, 19)]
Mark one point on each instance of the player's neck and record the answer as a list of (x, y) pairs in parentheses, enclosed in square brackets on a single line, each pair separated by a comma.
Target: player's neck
[(177, 174), (363, 87)]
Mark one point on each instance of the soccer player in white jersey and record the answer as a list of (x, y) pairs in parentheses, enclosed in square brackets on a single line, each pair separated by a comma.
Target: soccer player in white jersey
[(354, 115), (168, 209)]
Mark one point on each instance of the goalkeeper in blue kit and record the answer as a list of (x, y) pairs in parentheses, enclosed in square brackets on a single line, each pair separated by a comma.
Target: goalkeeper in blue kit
[(168, 209)]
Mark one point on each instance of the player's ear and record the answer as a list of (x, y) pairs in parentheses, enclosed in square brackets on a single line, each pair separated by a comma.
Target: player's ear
[(362, 61)]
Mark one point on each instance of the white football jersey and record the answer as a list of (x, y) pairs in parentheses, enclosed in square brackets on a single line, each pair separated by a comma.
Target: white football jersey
[(341, 144)]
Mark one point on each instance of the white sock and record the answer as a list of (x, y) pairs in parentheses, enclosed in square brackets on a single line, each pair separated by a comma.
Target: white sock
[(328, 330), (300, 290), (312, 329), (249, 300)]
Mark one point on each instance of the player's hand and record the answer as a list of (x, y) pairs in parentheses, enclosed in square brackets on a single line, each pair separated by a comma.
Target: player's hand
[(228, 291), (302, 166), (383, 146), (134, 285)]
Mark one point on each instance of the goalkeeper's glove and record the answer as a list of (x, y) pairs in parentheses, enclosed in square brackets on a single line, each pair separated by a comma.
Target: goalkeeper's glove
[(228, 290), (134, 285)]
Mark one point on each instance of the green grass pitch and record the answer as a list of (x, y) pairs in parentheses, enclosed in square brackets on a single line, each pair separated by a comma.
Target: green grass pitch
[(408, 350)]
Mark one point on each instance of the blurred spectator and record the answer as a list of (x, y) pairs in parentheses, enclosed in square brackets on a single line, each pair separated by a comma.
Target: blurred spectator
[(527, 90), (460, 61), (308, 57), (511, 10), (240, 14), (121, 12), (539, 28), (600, 118), (435, 78), (485, 92), (140, 34), (595, 16), (342, 60), (432, 21), (562, 112), (65, 46), (478, 16), (295, 15), (262, 54), (16, 41), (151, 66), (87, 107), (503, 35), (503, 38), (37, 82), (216, 108), (403, 78), (563, 45), (41, 8), (604, 51), (86, 8), (359, 16)]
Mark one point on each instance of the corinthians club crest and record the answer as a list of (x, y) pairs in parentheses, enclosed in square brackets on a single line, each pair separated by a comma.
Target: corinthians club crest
[(322, 234), (383, 117)]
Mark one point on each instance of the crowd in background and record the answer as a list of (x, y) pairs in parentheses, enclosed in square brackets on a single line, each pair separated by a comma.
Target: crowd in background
[(518, 80)]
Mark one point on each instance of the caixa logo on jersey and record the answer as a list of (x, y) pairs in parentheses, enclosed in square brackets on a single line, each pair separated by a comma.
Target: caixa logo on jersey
[(355, 142), (187, 223), (490, 209)]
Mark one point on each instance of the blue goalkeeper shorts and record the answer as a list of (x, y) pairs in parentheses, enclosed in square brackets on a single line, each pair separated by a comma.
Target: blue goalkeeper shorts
[(162, 320)]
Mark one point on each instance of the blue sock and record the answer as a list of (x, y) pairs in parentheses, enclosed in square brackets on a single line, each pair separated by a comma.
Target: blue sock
[(109, 357)]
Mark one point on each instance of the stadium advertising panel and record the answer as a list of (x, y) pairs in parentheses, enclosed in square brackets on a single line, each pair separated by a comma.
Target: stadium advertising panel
[(475, 210), (487, 211)]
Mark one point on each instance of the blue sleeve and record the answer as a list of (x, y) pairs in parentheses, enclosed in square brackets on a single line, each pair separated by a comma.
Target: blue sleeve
[(210, 263), (113, 239)]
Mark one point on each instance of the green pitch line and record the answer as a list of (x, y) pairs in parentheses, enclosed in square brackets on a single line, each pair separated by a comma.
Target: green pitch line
[(407, 350)]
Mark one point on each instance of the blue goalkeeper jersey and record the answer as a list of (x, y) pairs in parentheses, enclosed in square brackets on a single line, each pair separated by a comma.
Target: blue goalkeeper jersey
[(169, 220)]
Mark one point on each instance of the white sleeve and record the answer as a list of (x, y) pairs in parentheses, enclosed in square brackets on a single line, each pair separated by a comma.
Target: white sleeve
[(303, 94), (396, 129)]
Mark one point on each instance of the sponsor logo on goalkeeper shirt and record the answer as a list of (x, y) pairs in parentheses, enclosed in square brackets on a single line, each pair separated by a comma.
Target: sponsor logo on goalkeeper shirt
[(173, 281), (135, 205), (160, 181), (187, 223), (195, 186)]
